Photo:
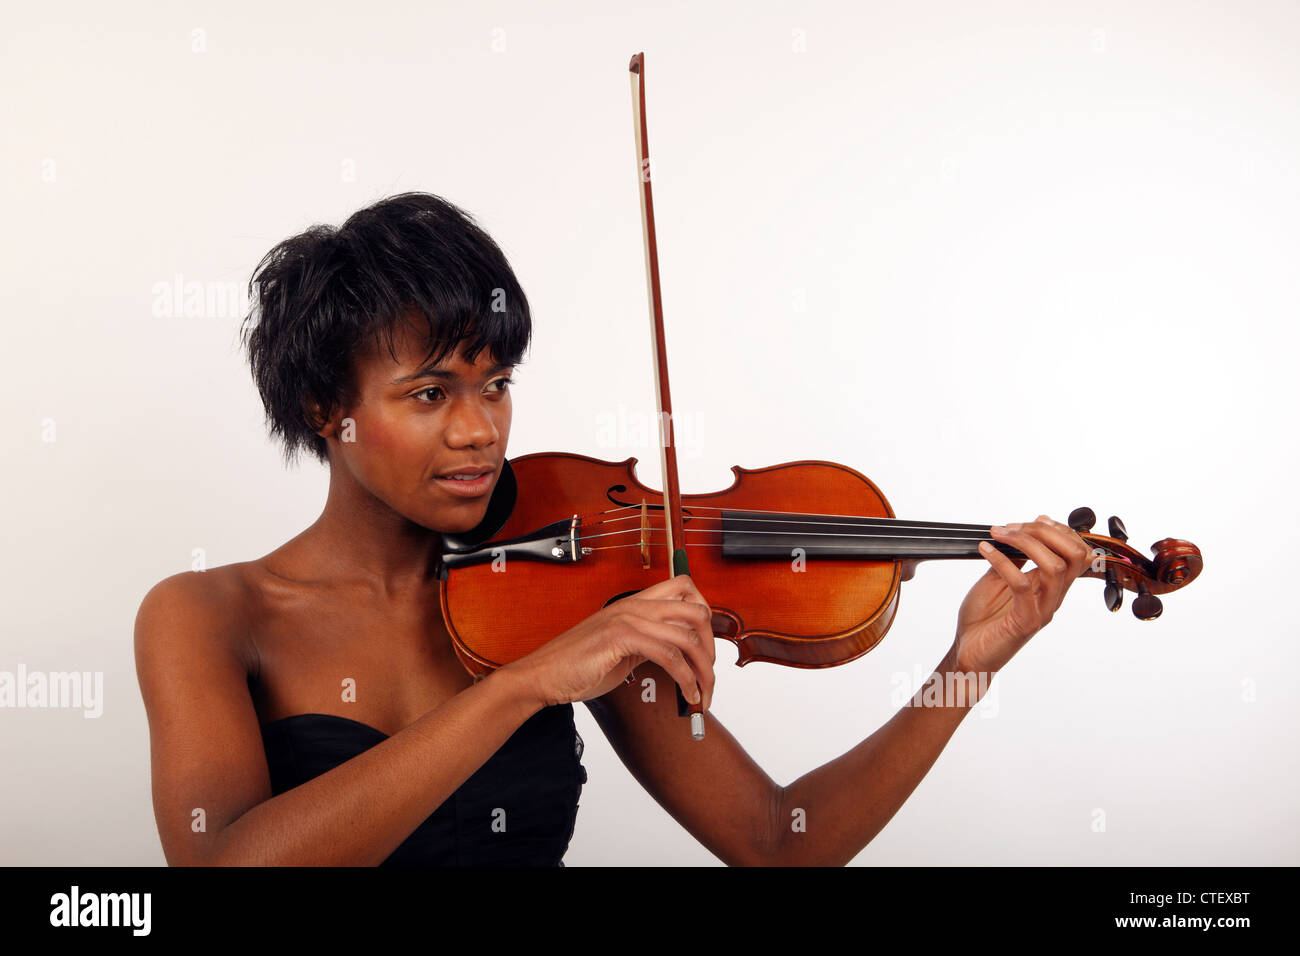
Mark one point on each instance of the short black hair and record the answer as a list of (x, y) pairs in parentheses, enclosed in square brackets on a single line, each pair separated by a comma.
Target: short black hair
[(318, 296)]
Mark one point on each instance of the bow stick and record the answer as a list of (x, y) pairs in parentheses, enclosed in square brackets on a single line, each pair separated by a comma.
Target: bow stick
[(668, 457)]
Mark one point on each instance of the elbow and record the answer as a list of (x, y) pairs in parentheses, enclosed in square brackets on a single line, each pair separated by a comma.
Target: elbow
[(209, 850), (787, 841), (769, 845)]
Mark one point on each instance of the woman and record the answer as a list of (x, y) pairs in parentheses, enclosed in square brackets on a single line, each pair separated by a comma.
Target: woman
[(307, 707)]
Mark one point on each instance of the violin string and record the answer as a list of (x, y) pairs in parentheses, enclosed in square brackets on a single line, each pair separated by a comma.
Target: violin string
[(866, 522), (952, 532), (968, 536), (635, 532), (1124, 559), (860, 521), (636, 513), (718, 544), (909, 539)]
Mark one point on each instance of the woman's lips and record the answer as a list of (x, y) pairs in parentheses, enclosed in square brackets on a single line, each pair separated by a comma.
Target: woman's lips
[(467, 489)]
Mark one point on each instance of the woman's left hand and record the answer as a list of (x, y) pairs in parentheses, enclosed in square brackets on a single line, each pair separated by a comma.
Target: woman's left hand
[(1008, 606)]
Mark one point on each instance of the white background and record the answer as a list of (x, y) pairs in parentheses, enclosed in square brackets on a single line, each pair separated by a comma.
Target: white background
[(1004, 258)]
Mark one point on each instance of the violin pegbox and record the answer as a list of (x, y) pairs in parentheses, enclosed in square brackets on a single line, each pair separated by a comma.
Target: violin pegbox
[(1175, 564)]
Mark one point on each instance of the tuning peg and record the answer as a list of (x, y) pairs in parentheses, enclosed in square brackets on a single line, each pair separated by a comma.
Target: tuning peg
[(1082, 519), (1114, 594), (1117, 529), (1146, 607)]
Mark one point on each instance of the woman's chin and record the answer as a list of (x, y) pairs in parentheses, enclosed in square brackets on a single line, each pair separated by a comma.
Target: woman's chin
[(458, 520)]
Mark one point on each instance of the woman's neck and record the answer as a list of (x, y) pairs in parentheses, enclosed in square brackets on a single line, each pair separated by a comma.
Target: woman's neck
[(359, 539)]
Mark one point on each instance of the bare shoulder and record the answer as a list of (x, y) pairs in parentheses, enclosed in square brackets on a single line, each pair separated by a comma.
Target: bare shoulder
[(194, 657), (199, 609)]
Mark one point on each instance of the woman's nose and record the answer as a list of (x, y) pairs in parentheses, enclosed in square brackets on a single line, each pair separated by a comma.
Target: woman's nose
[(470, 424)]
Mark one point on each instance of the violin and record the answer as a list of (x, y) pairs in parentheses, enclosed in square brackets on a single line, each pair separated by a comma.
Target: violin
[(802, 561)]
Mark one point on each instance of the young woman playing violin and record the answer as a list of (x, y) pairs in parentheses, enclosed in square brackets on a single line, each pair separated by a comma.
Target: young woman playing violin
[(307, 707)]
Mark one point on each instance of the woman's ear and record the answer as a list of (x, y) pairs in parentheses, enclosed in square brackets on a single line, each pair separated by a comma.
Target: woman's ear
[(325, 427)]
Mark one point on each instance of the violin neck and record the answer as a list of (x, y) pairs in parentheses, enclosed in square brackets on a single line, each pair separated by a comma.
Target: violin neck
[(761, 534)]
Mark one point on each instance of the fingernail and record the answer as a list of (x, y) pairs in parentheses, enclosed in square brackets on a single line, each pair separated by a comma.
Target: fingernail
[(999, 529), (1014, 527)]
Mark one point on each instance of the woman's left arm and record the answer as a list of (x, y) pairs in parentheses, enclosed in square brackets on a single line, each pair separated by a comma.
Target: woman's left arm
[(727, 802)]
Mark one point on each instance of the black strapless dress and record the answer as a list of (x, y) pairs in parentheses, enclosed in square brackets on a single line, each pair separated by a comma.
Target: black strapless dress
[(518, 809)]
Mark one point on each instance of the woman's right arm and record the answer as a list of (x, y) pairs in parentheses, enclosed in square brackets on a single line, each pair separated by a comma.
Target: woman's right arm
[(206, 742), (207, 752)]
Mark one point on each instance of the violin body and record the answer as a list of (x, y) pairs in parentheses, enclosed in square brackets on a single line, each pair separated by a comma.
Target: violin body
[(814, 612)]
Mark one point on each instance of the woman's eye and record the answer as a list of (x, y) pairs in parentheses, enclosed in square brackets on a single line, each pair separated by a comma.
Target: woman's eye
[(423, 394)]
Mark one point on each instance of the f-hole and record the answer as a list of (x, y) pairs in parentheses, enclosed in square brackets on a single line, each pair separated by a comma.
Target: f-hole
[(686, 514)]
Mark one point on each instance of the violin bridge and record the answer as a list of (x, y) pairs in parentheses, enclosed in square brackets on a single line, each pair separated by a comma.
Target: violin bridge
[(645, 537)]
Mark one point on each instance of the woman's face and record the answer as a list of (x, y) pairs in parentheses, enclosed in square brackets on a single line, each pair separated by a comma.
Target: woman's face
[(416, 424)]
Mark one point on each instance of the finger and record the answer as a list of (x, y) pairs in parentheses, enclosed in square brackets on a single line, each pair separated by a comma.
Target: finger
[(678, 588), (698, 645), (687, 599), (699, 617), (704, 631), (672, 658), (695, 668), (1077, 551), (1064, 555), (686, 589), (686, 612), (666, 655), (1025, 537), (710, 623), (673, 587), (1006, 569), (704, 628), (1017, 562), (703, 642)]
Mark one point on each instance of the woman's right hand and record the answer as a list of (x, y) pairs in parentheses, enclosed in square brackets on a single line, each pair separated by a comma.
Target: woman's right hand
[(669, 623)]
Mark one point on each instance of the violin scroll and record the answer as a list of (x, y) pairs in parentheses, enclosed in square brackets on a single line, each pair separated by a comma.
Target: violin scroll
[(1177, 561), (1175, 564)]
